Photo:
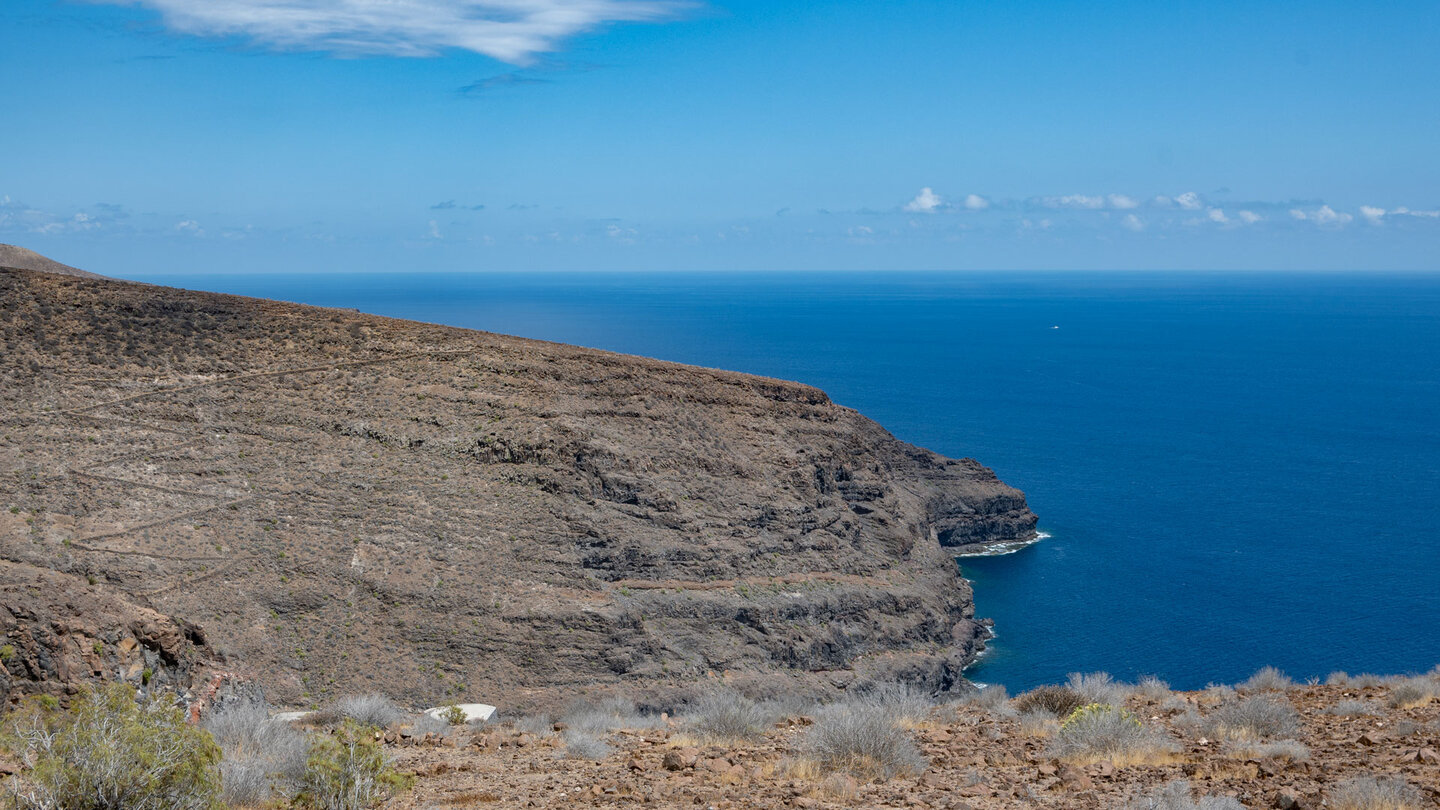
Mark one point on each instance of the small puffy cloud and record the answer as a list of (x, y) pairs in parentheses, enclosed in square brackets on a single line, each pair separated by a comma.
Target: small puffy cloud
[(1249, 217), (1190, 201), (434, 232), (1132, 222), (1122, 202), (190, 226), (1217, 215), (926, 202), (622, 235), (508, 30), (975, 202), (1324, 216)]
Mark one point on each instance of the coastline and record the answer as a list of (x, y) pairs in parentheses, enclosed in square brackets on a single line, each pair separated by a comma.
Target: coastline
[(999, 549)]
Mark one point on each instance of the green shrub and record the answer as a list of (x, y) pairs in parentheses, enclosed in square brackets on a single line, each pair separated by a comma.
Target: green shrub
[(110, 752), (454, 715), (349, 770)]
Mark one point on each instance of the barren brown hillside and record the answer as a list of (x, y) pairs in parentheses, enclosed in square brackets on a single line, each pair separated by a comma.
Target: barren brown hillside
[(330, 502)]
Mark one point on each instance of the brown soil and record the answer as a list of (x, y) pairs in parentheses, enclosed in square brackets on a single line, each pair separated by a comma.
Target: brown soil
[(978, 760)]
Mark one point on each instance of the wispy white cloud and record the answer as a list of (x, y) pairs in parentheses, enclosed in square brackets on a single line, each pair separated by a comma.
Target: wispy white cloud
[(508, 30), (1133, 223), (1406, 212), (1376, 215), (1217, 215), (1122, 202), (926, 202), (1081, 201), (1249, 217), (975, 202)]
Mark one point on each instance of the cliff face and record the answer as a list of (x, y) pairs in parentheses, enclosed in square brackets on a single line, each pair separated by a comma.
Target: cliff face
[(334, 502)]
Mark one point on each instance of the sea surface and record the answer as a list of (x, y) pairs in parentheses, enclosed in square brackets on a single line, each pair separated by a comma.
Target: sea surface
[(1235, 469)]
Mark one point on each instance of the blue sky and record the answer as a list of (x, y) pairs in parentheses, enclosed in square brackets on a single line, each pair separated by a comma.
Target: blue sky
[(363, 135)]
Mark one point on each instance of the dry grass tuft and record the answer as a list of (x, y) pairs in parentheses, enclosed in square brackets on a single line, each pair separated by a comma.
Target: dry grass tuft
[(1284, 750), (993, 699), (263, 760), (1267, 679), (1152, 688), (1372, 793), (1259, 717), (725, 715), (1409, 693), (1353, 708), (1176, 795), (1098, 687), (1039, 724), (1057, 701), (863, 740), (369, 710)]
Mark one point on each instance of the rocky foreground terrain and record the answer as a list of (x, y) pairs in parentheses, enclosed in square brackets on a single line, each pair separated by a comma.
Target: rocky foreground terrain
[(1315, 751), (198, 489)]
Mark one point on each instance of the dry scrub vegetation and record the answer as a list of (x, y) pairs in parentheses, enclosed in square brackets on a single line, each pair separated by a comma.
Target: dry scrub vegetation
[(1267, 743)]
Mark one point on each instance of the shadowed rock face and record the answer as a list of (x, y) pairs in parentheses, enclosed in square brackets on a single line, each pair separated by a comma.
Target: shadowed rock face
[(339, 503)]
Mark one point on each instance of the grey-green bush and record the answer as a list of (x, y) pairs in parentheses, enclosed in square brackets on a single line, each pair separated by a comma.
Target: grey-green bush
[(1267, 679), (112, 752), (1104, 731), (349, 770), (903, 701), (728, 716), (261, 759), (863, 740), (370, 710), (1256, 717), (1098, 687)]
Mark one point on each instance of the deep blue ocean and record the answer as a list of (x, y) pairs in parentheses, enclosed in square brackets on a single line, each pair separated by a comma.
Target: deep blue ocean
[(1235, 469)]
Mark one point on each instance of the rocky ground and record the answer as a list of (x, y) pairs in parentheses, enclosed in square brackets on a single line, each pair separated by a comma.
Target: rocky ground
[(324, 502), (978, 757)]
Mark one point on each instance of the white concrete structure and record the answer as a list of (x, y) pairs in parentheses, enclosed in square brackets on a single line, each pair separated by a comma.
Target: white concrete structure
[(474, 712)]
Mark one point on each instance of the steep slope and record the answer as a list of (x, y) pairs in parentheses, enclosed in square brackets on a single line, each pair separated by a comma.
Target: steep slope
[(339, 502)]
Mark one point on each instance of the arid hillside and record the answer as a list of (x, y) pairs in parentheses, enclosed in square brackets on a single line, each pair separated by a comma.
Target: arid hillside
[(327, 502)]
